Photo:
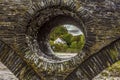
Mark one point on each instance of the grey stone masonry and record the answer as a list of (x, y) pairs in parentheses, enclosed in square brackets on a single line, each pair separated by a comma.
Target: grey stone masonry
[(26, 24)]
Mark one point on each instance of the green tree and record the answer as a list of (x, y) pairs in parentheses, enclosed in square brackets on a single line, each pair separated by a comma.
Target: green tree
[(60, 47), (57, 32), (73, 45), (67, 37)]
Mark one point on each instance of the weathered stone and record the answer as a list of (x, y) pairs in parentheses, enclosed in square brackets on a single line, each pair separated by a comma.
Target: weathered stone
[(22, 20)]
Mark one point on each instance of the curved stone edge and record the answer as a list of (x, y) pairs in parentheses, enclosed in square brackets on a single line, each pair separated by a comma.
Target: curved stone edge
[(16, 64), (96, 63), (87, 11), (90, 19), (51, 68)]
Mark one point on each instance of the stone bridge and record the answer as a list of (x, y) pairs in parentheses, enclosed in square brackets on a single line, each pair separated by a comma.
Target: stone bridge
[(26, 24)]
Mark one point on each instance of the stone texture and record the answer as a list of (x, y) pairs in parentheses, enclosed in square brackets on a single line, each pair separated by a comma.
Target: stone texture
[(21, 18), (5, 74)]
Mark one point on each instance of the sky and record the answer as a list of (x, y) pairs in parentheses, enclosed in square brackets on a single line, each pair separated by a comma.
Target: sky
[(73, 30)]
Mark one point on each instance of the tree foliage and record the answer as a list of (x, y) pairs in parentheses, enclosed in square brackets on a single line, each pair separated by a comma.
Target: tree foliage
[(73, 43)]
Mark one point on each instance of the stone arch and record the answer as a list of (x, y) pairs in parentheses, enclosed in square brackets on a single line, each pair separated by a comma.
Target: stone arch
[(96, 63), (100, 18), (96, 30), (16, 64), (44, 12)]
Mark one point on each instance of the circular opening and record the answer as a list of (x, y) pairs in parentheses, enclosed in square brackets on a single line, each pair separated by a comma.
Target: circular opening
[(67, 29), (66, 40)]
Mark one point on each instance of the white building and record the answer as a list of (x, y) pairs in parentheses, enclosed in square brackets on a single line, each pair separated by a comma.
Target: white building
[(59, 41)]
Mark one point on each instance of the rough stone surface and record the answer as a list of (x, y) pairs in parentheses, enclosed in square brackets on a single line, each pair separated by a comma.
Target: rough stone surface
[(21, 18), (5, 74)]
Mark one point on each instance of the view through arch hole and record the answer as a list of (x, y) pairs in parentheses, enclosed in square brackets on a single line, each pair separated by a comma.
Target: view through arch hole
[(66, 40)]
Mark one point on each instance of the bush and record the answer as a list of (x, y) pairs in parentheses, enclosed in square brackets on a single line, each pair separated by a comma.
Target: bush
[(59, 47)]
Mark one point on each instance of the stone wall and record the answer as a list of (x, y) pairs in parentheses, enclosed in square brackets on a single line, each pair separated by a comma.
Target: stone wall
[(101, 19)]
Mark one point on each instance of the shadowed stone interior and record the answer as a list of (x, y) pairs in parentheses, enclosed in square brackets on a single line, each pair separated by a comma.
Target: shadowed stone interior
[(45, 30)]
